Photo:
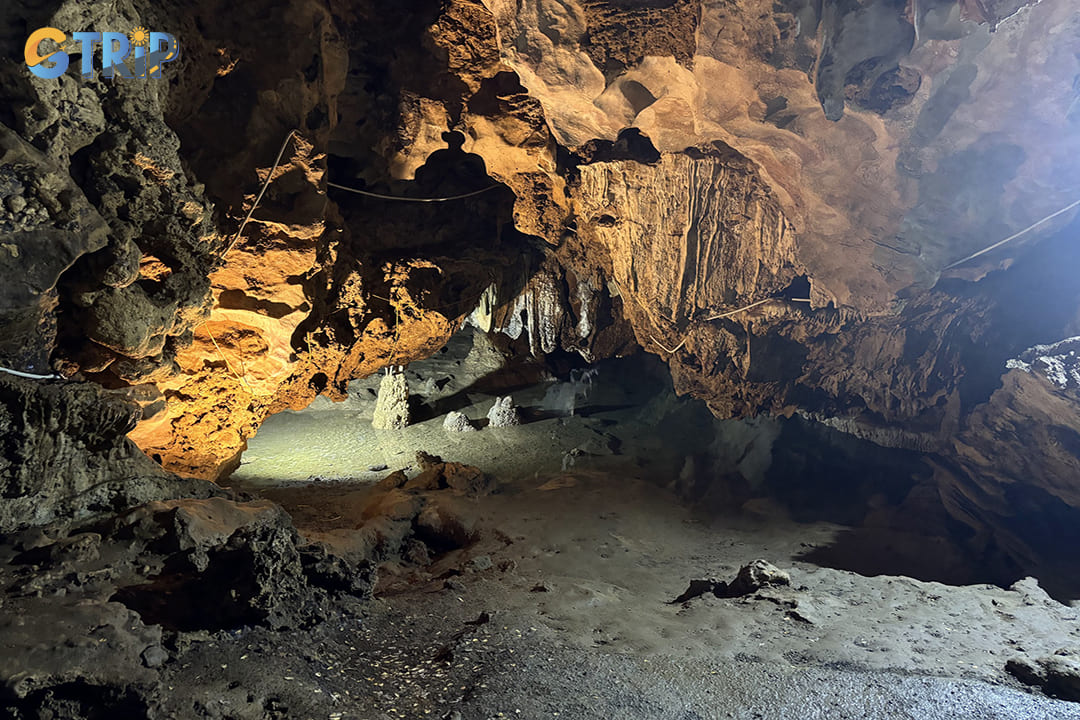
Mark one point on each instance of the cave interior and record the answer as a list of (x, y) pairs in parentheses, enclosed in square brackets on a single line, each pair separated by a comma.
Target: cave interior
[(602, 359)]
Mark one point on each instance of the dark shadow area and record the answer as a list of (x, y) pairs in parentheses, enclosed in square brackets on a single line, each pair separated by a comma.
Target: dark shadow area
[(1032, 302), (898, 524), (631, 144), (822, 474), (84, 700), (894, 515)]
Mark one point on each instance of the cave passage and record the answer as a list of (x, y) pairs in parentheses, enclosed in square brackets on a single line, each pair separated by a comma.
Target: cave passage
[(590, 359), (791, 478)]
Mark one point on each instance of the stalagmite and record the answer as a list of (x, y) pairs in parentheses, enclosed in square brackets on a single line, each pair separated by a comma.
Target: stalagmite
[(392, 406)]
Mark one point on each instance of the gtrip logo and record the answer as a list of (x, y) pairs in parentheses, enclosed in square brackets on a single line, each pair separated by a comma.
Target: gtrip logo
[(137, 54)]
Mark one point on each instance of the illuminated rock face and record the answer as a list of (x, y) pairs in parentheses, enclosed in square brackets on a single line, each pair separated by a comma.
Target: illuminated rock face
[(392, 407), (946, 135), (762, 194)]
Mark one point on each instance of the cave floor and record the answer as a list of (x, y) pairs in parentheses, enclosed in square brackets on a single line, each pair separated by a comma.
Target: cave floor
[(563, 608), (561, 604)]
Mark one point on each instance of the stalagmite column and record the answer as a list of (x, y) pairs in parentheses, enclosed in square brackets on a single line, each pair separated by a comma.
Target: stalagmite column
[(392, 405)]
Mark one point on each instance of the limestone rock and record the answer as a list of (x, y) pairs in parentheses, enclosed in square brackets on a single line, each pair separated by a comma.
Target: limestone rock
[(504, 413), (457, 422), (678, 178), (441, 526), (427, 461), (462, 478), (229, 564), (197, 526), (67, 455), (38, 242), (751, 578), (1057, 362), (756, 575), (71, 641), (1058, 675), (392, 405), (1063, 676)]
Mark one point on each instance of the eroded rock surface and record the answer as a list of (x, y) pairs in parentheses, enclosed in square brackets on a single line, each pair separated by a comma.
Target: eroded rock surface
[(93, 614), (66, 455), (784, 201)]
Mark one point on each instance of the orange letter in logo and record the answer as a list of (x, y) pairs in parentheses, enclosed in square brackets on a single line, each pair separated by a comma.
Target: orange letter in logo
[(34, 60)]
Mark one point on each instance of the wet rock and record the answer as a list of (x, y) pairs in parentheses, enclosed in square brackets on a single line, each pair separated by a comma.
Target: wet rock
[(392, 405), (457, 422), (503, 413)]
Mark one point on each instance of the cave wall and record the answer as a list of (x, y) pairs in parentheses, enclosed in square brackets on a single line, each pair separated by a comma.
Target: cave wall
[(769, 196)]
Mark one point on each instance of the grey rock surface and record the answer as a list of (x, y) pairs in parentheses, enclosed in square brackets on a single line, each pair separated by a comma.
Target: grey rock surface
[(67, 455), (457, 422), (503, 413), (1058, 674)]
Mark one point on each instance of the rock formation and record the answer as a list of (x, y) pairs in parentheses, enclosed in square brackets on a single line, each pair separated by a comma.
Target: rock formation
[(457, 422), (392, 406), (503, 413), (786, 201), (861, 213)]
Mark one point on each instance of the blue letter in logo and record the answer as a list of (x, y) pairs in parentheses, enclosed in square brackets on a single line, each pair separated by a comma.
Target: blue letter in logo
[(35, 61), (112, 56), (166, 49), (87, 39)]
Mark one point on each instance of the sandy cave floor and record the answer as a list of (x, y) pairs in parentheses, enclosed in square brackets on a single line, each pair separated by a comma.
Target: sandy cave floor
[(563, 606)]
